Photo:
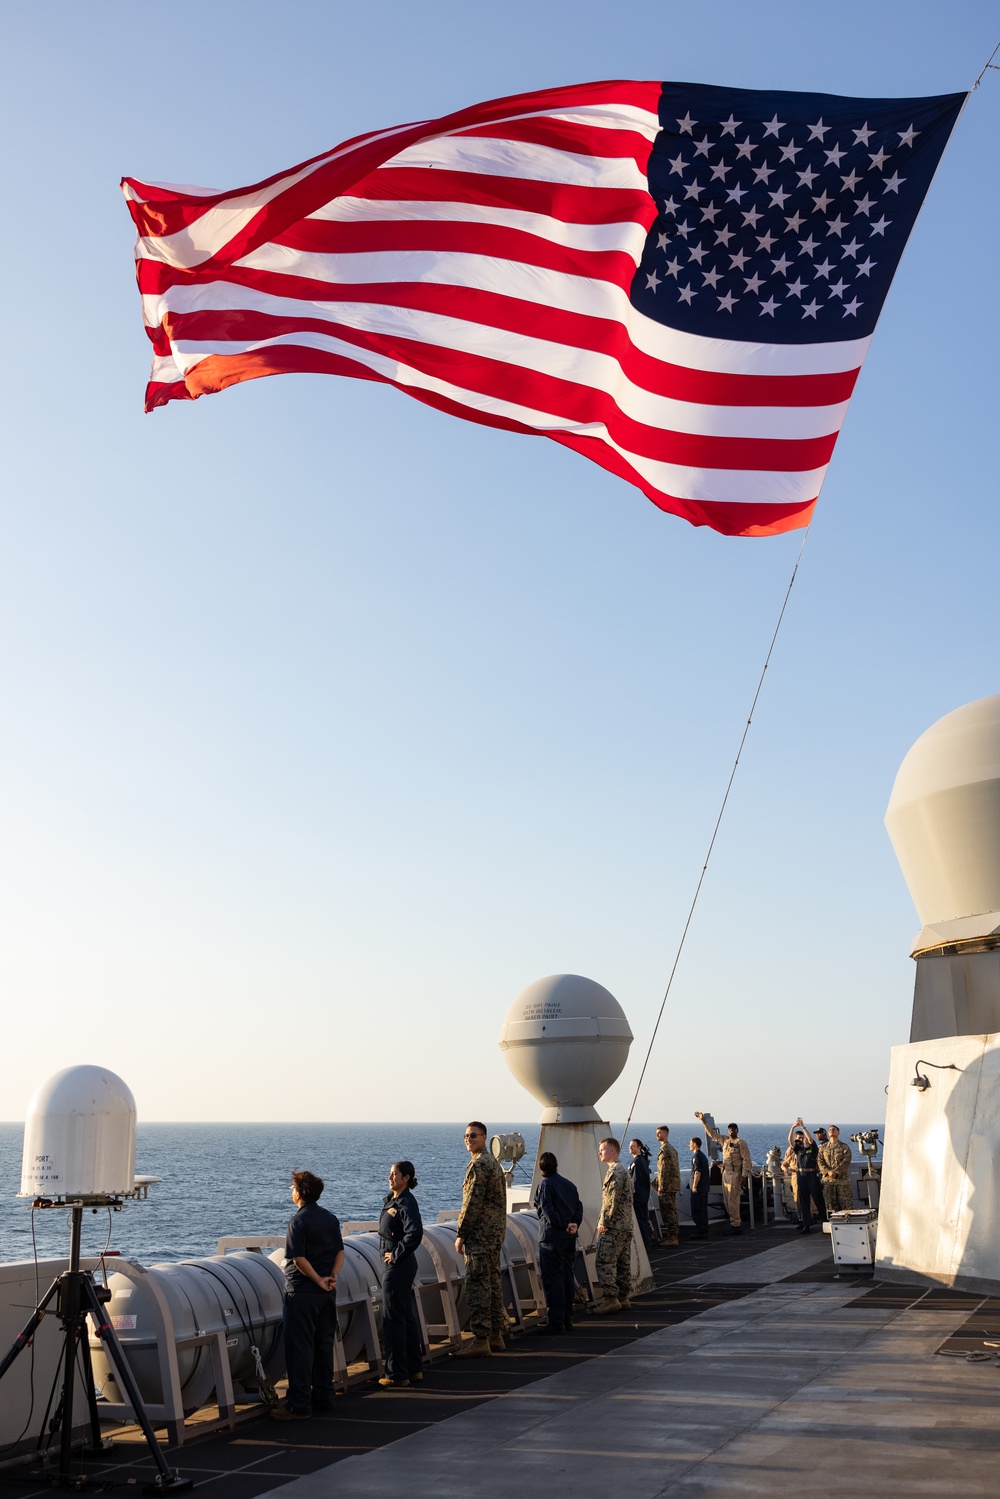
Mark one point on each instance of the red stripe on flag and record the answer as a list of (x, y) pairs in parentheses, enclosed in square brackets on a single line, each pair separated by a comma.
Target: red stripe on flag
[(556, 200), (217, 372), (729, 519)]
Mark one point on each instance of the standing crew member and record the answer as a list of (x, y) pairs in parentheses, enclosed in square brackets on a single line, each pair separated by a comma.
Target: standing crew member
[(736, 1166), (614, 1233), (834, 1161), (790, 1182), (479, 1233), (668, 1184), (809, 1189), (638, 1171), (557, 1203), (399, 1232), (314, 1253), (698, 1187)]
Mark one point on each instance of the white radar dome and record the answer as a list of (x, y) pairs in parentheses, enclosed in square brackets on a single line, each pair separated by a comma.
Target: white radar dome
[(79, 1137), (566, 1040), (944, 822)]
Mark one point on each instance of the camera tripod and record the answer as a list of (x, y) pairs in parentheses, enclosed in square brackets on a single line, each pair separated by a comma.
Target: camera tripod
[(76, 1298)]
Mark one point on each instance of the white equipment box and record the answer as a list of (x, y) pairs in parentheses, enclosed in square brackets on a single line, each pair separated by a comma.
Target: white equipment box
[(853, 1233)]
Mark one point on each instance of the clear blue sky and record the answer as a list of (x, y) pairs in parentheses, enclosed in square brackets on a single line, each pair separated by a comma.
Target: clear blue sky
[(330, 722)]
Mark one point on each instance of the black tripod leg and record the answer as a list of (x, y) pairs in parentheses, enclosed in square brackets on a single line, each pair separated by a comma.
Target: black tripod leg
[(47, 1428), (28, 1331), (97, 1441), (168, 1481), (74, 1323)]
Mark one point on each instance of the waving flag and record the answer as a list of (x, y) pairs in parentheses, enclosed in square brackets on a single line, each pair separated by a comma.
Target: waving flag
[(678, 281)]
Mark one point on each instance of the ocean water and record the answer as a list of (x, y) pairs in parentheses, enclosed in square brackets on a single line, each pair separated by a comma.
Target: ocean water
[(220, 1179)]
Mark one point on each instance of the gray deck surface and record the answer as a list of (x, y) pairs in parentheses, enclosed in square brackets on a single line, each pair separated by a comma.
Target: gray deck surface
[(769, 1266), (798, 1386)]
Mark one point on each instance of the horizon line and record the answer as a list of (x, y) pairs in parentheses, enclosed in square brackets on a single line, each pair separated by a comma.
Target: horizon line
[(386, 1123)]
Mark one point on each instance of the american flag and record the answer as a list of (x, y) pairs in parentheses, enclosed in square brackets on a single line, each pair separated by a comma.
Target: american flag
[(676, 280)]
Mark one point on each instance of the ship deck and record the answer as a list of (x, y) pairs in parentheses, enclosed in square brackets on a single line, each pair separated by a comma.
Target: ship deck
[(751, 1369)]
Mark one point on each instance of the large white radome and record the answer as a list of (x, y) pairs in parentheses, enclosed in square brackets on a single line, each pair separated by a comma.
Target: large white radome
[(944, 822), (566, 1040)]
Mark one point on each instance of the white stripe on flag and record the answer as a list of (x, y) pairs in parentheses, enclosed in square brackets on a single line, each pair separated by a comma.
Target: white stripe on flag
[(487, 156)]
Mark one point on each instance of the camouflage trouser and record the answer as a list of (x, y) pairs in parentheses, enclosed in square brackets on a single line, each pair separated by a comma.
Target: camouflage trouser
[(668, 1213), (483, 1292), (838, 1194), (732, 1189), (614, 1262)]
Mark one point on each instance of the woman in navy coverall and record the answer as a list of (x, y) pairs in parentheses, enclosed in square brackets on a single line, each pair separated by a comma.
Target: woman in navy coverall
[(399, 1232), (639, 1172)]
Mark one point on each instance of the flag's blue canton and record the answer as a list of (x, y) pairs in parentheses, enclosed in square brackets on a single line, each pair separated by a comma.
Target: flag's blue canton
[(783, 216)]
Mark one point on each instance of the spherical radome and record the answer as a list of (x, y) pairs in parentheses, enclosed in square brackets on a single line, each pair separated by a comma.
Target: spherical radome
[(566, 1039)]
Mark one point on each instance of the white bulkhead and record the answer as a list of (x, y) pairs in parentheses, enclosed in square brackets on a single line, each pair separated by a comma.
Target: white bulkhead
[(939, 1219)]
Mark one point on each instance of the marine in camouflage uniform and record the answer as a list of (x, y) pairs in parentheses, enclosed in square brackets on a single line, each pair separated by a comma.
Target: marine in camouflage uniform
[(834, 1161), (668, 1184), (614, 1232), (480, 1230)]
